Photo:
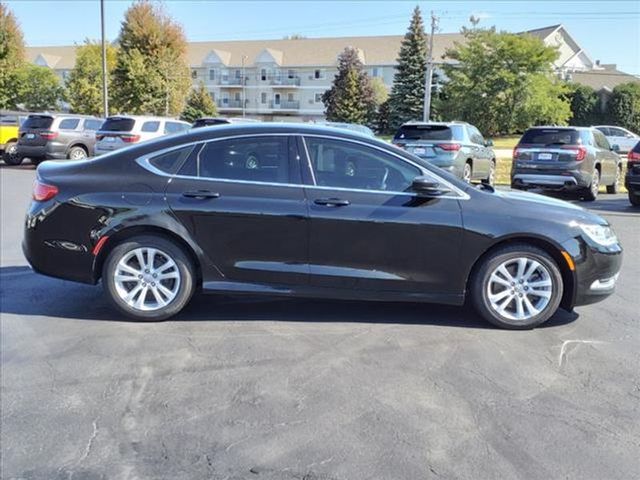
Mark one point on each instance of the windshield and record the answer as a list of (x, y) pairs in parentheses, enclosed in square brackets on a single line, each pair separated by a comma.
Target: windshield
[(118, 124), (37, 122), (550, 136), (424, 132)]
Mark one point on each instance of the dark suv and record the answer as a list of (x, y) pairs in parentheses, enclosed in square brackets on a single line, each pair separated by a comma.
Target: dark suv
[(576, 159), (456, 147), (632, 180), (57, 136)]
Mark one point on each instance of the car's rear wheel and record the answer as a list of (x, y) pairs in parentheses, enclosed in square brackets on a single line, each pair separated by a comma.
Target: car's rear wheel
[(148, 278), (10, 155), (615, 187), (467, 172), (591, 192), (77, 153), (517, 287), (491, 178)]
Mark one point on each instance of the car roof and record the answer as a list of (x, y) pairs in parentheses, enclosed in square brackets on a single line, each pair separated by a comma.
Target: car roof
[(62, 115), (416, 123), (559, 127), (146, 117)]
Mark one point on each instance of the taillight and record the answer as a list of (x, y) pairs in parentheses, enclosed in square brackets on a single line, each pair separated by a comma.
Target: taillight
[(399, 145), (129, 138), (516, 153), (449, 147), (580, 151), (43, 192), (99, 137), (48, 134), (633, 157)]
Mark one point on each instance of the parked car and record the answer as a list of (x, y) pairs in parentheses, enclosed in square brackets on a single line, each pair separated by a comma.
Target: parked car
[(354, 127), (456, 147), (632, 179), (120, 131), (47, 136), (274, 209), (9, 130), (212, 121), (625, 139), (577, 159)]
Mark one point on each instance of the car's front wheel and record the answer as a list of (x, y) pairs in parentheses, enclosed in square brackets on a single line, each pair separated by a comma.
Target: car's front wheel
[(517, 287), (77, 153), (591, 192), (491, 178), (148, 278), (615, 186)]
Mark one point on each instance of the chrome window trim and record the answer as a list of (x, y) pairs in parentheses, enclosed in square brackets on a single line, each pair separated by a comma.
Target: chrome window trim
[(144, 162)]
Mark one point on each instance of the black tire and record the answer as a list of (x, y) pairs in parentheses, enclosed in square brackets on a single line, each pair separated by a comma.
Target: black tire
[(591, 192), (184, 267), (37, 161), (479, 285), (634, 198), (77, 153), (615, 187), (10, 156), (491, 178)]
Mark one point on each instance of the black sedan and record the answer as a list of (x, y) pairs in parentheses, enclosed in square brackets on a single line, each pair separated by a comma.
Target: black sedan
[(309, 211)]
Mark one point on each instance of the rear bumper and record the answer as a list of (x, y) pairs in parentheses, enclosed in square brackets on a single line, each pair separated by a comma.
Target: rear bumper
[(48, 152), (632, 183), (570, 180)]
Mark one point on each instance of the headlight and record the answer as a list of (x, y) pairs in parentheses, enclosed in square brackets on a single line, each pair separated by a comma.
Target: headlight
[(600, 234)]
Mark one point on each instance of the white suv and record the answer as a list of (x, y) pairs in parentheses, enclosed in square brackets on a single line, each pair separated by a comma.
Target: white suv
[(120, 131)]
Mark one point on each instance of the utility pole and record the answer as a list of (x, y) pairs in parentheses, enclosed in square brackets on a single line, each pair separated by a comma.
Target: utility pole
[(244, 83), (429, 73), (105, 93)]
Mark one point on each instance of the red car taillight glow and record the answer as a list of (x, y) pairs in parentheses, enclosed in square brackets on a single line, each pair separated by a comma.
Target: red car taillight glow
[(515, 153), (449, 147), (48, 135), (129, 138), (580, 151), (43, 192)]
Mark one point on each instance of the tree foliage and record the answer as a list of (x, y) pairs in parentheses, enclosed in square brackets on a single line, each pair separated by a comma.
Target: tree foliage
[(407, 93), (350, 98), (37, 88), (623, 107), (585, 105), (503, 82), (84, 85), (199, 104), (152, 74), (12, 56)]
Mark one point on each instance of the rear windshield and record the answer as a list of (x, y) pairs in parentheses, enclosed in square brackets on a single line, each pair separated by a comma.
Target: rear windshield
[(424, 132), (37, 122), (550, 136), (8, 120), (203, 122), (118, 125)]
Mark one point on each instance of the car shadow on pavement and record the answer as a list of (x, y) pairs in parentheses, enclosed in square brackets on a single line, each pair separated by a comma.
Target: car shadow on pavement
[(25, 293), (26, 165)]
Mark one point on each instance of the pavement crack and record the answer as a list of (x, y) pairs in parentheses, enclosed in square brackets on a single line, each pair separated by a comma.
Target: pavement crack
[(87, 448), (564, 352)]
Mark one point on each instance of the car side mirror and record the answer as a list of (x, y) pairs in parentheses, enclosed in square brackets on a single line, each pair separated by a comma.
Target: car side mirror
[(488, 143), (427, 187), (615, 148)]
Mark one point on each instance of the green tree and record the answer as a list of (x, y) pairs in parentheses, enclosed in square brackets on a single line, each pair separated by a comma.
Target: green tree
[(585, 105), (623, 107), (84, 85), (12, 56), (351, 98), (199, 104), (37, 88), (152, 74), (407, 93), (503, 82)]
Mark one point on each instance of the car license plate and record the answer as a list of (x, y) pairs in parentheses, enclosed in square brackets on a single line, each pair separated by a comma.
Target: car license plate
[(30, 135), (110, 139), (545, 156), (419, 151)]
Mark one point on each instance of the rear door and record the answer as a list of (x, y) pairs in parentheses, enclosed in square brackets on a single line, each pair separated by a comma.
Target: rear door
[(481, 154), (242, 200), (608, 159), (68, 129)]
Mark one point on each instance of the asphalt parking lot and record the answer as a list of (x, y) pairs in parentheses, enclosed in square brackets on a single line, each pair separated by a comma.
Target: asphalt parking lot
[(300, 389)]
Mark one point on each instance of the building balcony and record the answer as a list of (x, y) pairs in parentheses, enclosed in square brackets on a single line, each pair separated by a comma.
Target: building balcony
[(230, 82), (285, 105), (229, 103), (284, 81)]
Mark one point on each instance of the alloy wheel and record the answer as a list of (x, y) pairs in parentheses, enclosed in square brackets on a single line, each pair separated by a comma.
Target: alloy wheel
[(147, 279), (595, 183), (78, 154), (519, 288), (466, 173)]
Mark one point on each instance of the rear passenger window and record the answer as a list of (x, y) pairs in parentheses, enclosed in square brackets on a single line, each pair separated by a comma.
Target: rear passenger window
[(69, 124), (169, 162), (174, 127), (263, 159), (150, 127), (601, 140)]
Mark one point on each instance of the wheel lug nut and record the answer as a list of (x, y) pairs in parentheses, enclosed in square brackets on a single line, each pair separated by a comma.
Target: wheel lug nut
[(144, 284), (153, 284), (146, 271), (139, 276), (155, 275)]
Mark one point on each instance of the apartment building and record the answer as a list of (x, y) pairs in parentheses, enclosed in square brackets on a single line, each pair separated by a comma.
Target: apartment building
[(283, 80)]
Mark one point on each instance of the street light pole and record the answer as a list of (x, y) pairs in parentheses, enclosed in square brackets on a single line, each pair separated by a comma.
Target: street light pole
[(429, 73), (244, 83), (105, 93)]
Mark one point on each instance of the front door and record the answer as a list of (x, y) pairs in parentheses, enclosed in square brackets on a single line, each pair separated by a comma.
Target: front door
[(242, 201), (368, 231)]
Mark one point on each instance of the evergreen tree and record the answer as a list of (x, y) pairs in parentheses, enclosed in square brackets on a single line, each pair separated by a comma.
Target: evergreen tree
[(585, 105), (151, 75), (199, 104), (12, 55), (351, 97), (407, 94), (37, 88), (84, 85), (623, 107)]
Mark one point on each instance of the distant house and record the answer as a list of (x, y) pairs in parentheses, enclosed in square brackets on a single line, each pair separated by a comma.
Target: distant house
[(285, 79)]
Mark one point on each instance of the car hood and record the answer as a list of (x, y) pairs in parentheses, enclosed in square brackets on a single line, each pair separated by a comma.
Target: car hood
[(547, 206)]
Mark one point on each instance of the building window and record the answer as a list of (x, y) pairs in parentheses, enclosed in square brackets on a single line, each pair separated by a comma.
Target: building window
[(318, 74), (238, 74), (318, 97), (212, 74), (194, 74), (263, 75), (263, 97), (376, 72), (213, 96), (290, 97), (291, 74), (237, 97)]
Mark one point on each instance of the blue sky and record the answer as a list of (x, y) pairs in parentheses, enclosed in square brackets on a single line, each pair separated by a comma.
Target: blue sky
[(607, 30)]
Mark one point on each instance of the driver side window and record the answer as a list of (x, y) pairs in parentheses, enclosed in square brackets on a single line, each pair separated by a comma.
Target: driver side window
[(344, 164)]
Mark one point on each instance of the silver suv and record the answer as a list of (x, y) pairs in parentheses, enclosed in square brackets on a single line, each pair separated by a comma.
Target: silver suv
[(456, 147), (578, 159)]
